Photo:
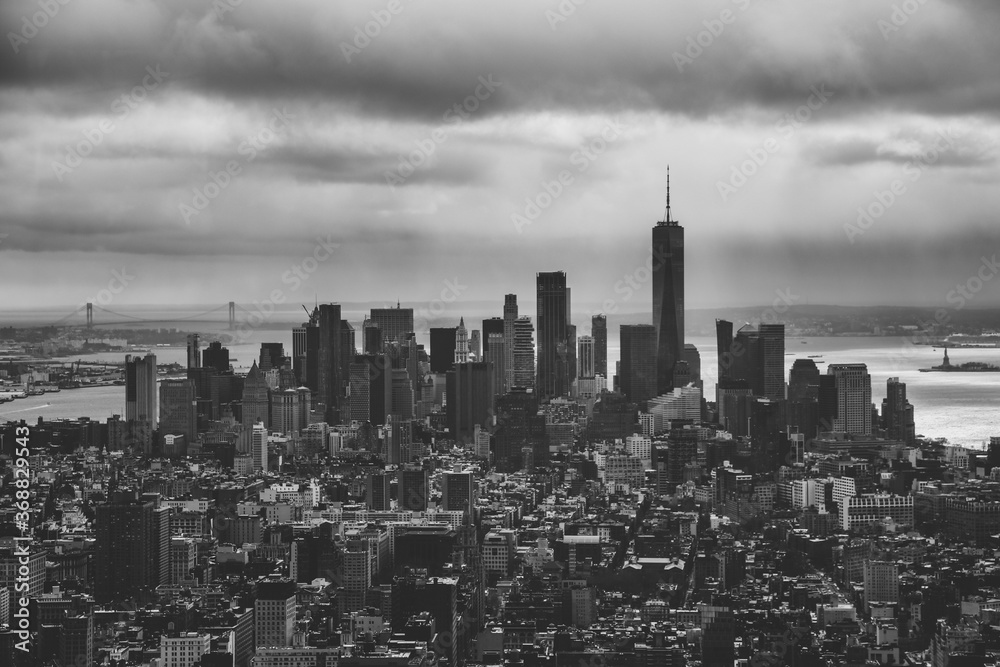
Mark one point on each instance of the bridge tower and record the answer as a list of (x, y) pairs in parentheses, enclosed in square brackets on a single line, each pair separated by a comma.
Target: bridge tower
[(232, 315), (90, 316)]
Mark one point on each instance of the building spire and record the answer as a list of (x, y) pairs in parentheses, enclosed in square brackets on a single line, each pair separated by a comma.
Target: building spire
[(666, 214)]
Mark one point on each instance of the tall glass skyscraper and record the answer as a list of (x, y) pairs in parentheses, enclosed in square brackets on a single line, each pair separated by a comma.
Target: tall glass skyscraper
[(554, 353), (668, 296), (599, 331)]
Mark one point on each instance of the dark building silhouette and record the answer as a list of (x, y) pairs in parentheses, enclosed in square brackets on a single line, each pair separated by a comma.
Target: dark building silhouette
[(772, 343), (377, 495), (519, 426), (470, 391), (768, 436), (748, 359), (493, 325), (413, 595), (638, 378), (552, 323), (329, 380), (668, 296), (443, 349), (371, 388), (599, 332), (614, 417), (216, 356), (670, 457), (272, 355), (897, 413), (413, 488), (132, 547), (803, 380), (393, 322), (458, 493), (723, 346)]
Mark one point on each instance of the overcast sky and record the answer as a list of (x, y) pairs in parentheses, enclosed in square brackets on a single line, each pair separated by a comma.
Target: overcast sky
[(113, 114)]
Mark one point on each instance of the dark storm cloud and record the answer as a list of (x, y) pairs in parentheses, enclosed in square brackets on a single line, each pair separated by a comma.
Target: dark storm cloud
[(939, 148), (942, 60)]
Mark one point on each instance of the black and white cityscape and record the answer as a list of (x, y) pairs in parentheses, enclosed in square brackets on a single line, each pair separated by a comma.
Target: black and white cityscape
[(529, 334)]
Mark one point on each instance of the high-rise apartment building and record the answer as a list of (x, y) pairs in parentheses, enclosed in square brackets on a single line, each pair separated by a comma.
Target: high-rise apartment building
[(509, 318), (523, 356), (132, 547)]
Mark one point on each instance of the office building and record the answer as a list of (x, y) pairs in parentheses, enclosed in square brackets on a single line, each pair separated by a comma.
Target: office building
[(495, 354), (183, 649), (290, 410), (272, 355), (724, 348), (274, 613), (881, 581), (493, 325), (586, 358), (897, 413), (638, 378), (392, 322), (132, 547), (772, 339), (178, 409), (668, 296), (470, 391), (413, 488), (377, 496), (258, 447), (599, 332), (371, 388), (523, 357), (216, 356), (519, 427), (509, 318), (553, 321), (854, 398), (141, 399), (193, 351), (459, 493), (329, 377), (443, 349), (256, 398)]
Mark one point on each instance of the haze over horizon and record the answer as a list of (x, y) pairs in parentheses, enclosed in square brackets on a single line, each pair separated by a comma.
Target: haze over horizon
[(829, 105)]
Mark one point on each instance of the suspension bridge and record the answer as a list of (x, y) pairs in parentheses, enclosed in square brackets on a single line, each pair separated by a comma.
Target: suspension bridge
[(86, 313)]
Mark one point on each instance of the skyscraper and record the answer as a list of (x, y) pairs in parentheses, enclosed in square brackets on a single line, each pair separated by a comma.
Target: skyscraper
[(371, 388), (495, 354), (217, 357), (723, 346), (393, 322), (493, 325), (523, 356), (132, 547), (413, 488), (897, 413), (274, 613), (178, 409), (553, 335), (329, 379), (509, 317), (258, 447), (638, 370), (443, 349), (271, 356), (193, 351), (140, 389), (256, 398), (461, 343), (458, 493), (377, 492), (854, 398), (599, 331), (470, 398), (803, 380), (668, 295), (586, 363), (772, 338), (748, 359)]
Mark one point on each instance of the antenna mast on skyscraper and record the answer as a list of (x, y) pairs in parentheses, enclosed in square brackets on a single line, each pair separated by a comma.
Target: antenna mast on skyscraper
[(666, 216)]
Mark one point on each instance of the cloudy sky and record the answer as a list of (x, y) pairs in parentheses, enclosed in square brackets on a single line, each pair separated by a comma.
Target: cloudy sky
[(206, 150)]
